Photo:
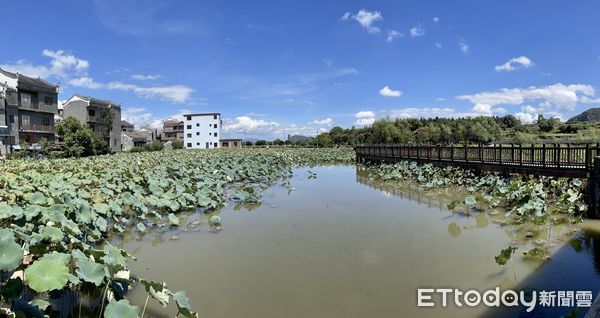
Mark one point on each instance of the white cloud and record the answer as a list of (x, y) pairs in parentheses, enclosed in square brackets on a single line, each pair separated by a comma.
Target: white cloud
[(552, 99), (366, 19), (464, 47), (428, 112), (62, 65), (526, 118), (175, 93), (326, 121), (514, 64), (483, 109), (417, 31), (86, 82), (140, 77), (248, 124), (393, 34), (438, 45), (364, 118), (435, 19), (388, 92)]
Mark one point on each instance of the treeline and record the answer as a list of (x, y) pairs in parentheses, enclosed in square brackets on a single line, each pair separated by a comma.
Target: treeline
[(476, 130)]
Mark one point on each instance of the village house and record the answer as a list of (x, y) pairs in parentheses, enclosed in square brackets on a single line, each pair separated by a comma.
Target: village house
[(172, 130), (126, 126), (231, 143), (102, 116), (27, 109)]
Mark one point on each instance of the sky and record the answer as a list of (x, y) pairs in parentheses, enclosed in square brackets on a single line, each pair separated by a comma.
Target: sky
[(275, 68)]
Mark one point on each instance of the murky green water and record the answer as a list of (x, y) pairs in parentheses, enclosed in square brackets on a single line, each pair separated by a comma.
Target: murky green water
[(342, 246)]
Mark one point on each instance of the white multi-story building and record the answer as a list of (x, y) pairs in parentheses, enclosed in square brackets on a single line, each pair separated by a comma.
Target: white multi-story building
[(202, 131)]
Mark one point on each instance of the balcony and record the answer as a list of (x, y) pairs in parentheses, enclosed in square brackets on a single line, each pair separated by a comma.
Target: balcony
[(37, 128), (38, 107)]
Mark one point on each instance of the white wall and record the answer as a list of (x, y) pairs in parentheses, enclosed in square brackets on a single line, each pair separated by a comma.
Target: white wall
[(200, 130)]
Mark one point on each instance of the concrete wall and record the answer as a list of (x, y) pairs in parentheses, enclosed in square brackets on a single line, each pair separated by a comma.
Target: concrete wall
[(115, 133), (201, 132), (126, 142), (76, 109)]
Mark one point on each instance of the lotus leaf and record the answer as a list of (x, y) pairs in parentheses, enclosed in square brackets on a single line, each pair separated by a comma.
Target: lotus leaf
[(47, 274), (121, 309)]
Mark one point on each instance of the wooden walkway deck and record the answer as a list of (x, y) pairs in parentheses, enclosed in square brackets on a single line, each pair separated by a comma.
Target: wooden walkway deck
[(542, 160)]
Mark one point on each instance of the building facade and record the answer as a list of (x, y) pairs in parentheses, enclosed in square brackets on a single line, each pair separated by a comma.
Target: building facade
[(134, 138), (172, 130), (231, 143), (126, 126), (102, 116), (202, 131), (27, 109)]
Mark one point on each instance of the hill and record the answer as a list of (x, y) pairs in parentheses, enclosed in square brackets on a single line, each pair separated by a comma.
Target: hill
[(592, 114)]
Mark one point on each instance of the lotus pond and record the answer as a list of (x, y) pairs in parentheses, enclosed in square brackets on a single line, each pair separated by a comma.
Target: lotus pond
[(271, 233)]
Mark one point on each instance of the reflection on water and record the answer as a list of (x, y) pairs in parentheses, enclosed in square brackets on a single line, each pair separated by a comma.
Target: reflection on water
[(341, 245)]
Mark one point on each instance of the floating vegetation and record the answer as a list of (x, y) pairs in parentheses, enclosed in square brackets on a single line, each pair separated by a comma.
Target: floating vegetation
[(57, 216)]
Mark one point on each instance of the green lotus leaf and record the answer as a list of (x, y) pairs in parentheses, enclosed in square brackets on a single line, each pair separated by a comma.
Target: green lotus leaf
[(47, 274), (90, 271), (7, 235), (121, 309), (214, 220), (38, 198), (84, 214), (173, 219), (141, 227), (56, 256), (183, 305), (11, 253), (470, 201), (114, 256), (101, 223), (102, 208), (52, 233), (32, 211), (157, 290), (40, 303)]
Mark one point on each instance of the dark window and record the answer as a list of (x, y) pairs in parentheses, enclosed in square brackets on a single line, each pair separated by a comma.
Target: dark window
[(45, 121), (197, 124), (11, 119), (189, 117), (215, 116), (215, 134), (189, 145), (189, 135), (224, 144), (216, 144), (209, 125), (197, 144), (215, 125), (235, 143), (189, 126), (91, 112), (207, 145), (48, 100), (197, 133)]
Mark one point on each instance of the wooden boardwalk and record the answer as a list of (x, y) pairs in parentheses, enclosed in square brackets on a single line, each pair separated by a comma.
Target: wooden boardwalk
[(556, 160)]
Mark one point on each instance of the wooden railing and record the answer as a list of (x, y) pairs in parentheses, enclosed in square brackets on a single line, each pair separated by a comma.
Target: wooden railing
[(544, 156)]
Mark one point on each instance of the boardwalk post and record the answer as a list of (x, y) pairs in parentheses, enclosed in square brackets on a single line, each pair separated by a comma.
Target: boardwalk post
[(520, 154), (593, 190), (466, 153), (543, 154), (500, 153), (439, 153), (452, 152), (481, 153), (557, 156)]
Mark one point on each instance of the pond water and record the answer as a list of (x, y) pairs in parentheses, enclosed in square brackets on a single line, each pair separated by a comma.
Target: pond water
[(340, 245)]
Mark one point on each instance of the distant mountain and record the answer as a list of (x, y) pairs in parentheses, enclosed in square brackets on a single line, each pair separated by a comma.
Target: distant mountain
[(297, 138), (592, 114)]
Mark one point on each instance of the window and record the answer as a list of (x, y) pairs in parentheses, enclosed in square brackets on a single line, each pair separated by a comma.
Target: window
[(189, 117), (224, 144), (11, 119), (197, 124), (207, 145), (189, 135), (189, 145), (215, 116), (216, 144), (197, 144), (45, 121), (114, 142), (209, 125), (215, 126), (48, 100), (91, 112), (235, 143), (215, 134), (189, 126), (25, 98), (197, 133)]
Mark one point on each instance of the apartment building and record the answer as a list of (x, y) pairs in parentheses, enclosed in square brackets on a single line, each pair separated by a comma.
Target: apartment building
[(102, 116), (202, 131), (27, 109)]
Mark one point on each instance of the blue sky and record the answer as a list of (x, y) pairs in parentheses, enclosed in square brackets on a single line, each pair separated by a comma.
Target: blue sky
[(298, 67)]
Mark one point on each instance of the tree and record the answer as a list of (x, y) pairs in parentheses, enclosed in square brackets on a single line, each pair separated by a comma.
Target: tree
[(177, 144), (547, 124), (261, 143), (278, 142), (79, 140)]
